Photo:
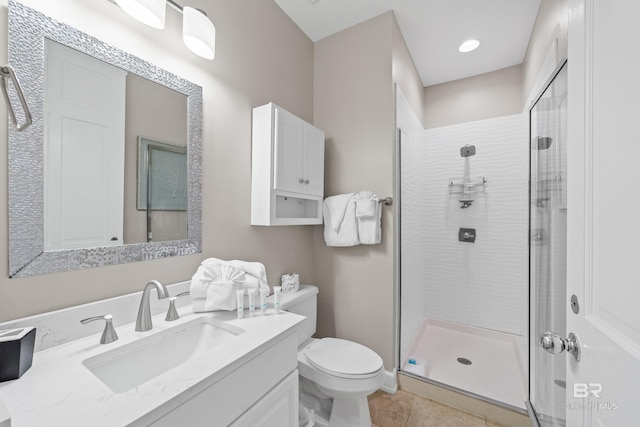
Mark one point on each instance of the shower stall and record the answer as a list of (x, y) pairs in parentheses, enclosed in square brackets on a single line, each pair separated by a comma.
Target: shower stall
[(465, 270)]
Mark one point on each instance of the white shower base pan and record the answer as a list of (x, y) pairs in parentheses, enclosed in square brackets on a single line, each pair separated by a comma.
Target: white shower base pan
[(497, 370)]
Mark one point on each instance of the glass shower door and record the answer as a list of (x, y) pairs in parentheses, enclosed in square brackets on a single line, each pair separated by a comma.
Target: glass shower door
[(547, 249)]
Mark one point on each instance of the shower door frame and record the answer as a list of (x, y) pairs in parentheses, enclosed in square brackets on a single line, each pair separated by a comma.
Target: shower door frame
[(533, 415)]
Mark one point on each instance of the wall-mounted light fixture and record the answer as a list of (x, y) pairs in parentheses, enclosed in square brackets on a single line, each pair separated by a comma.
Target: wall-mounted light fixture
[(469, 46), (198, 32), (149, 12)]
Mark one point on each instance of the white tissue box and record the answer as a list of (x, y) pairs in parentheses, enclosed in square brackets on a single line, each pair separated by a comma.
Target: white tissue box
[(290, 283)]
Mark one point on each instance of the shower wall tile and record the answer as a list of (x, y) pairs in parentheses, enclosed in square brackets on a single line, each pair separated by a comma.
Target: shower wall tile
[(483, 283)]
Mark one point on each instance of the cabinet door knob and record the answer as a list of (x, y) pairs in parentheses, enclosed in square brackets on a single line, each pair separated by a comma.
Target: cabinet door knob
[(301, 180), (306, 181)]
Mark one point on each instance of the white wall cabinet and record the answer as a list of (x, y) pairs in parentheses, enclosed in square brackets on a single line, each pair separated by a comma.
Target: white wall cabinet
[(287, 164)]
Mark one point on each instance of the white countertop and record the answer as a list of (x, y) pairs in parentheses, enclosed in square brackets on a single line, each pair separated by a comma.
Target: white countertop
[(58, 390)]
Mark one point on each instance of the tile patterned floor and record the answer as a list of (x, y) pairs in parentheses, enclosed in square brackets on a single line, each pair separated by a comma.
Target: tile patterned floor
[(404, 409)]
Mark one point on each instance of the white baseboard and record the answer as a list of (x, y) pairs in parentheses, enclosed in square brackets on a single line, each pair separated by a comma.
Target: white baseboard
[(390, 384)]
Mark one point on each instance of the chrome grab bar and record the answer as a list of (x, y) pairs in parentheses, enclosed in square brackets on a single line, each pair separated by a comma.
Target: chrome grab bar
[(7, 72)]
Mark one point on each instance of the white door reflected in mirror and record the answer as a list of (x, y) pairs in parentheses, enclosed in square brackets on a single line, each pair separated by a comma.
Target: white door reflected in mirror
[(95, 113), (84, 150)]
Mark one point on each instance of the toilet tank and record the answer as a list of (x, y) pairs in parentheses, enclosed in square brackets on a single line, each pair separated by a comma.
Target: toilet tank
[(305, 303)]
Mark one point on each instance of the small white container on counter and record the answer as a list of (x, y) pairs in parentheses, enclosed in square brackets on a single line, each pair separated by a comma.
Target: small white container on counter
[(276, 298), (290, 283), (252, 302), (263, 300), (240, 302)]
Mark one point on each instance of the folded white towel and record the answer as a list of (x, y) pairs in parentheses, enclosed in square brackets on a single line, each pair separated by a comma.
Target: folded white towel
[(221, 296), (199, 305), (250, 282), (368, 223), (214, 284), (212, 273), (200, 282), (340, 227), (366, 208), (252, 268)]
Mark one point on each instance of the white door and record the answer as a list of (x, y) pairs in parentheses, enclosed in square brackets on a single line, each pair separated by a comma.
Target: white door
[(604, 213), (289, 135), (84, 150), (313, 165)]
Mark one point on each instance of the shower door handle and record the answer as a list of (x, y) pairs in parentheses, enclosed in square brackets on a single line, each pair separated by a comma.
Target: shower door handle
[(555, 344)]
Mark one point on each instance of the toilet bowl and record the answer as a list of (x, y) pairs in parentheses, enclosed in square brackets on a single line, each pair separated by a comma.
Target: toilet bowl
[(336, 375), (347, 373)]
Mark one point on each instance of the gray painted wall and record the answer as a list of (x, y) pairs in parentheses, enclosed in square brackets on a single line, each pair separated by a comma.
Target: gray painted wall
[(344, 84), (262, 56)]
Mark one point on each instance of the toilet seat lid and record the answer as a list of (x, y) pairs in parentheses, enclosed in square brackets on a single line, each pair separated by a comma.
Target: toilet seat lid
[(343, 358)]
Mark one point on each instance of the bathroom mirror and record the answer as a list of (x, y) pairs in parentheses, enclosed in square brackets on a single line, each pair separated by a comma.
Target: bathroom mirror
[(32, 36)]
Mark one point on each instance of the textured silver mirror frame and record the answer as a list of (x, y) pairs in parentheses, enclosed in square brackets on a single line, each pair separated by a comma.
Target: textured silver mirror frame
[(28, 29)]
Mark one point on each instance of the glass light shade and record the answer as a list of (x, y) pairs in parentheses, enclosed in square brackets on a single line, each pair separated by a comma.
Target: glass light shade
[(468, 46), (149, 12), (198, 33)]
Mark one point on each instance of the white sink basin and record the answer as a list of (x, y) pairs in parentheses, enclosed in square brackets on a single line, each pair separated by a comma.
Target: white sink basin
[(126, 367)]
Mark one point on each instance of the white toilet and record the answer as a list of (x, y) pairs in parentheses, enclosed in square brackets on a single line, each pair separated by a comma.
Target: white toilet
[(336, 375)]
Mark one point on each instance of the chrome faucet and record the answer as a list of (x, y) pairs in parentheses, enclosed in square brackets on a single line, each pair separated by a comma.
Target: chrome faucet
[(109, 334), (172, 313), (143, 323)]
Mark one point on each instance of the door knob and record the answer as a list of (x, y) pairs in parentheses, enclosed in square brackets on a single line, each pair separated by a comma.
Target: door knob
[(555, 344), (301, 180)]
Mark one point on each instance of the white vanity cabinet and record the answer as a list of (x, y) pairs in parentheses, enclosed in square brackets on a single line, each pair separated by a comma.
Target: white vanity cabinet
[(287, 164), (263, 391), (243, 374), (278, 408)]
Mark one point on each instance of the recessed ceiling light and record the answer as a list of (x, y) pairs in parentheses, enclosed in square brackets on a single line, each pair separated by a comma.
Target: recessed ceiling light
[(468, 46)]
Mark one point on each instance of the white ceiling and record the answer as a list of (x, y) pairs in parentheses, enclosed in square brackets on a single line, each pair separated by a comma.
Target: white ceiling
[(433, 30)]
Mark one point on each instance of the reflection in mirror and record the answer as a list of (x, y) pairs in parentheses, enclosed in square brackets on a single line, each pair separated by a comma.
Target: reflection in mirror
[(74, 174), (162, 189), (94, 113)]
